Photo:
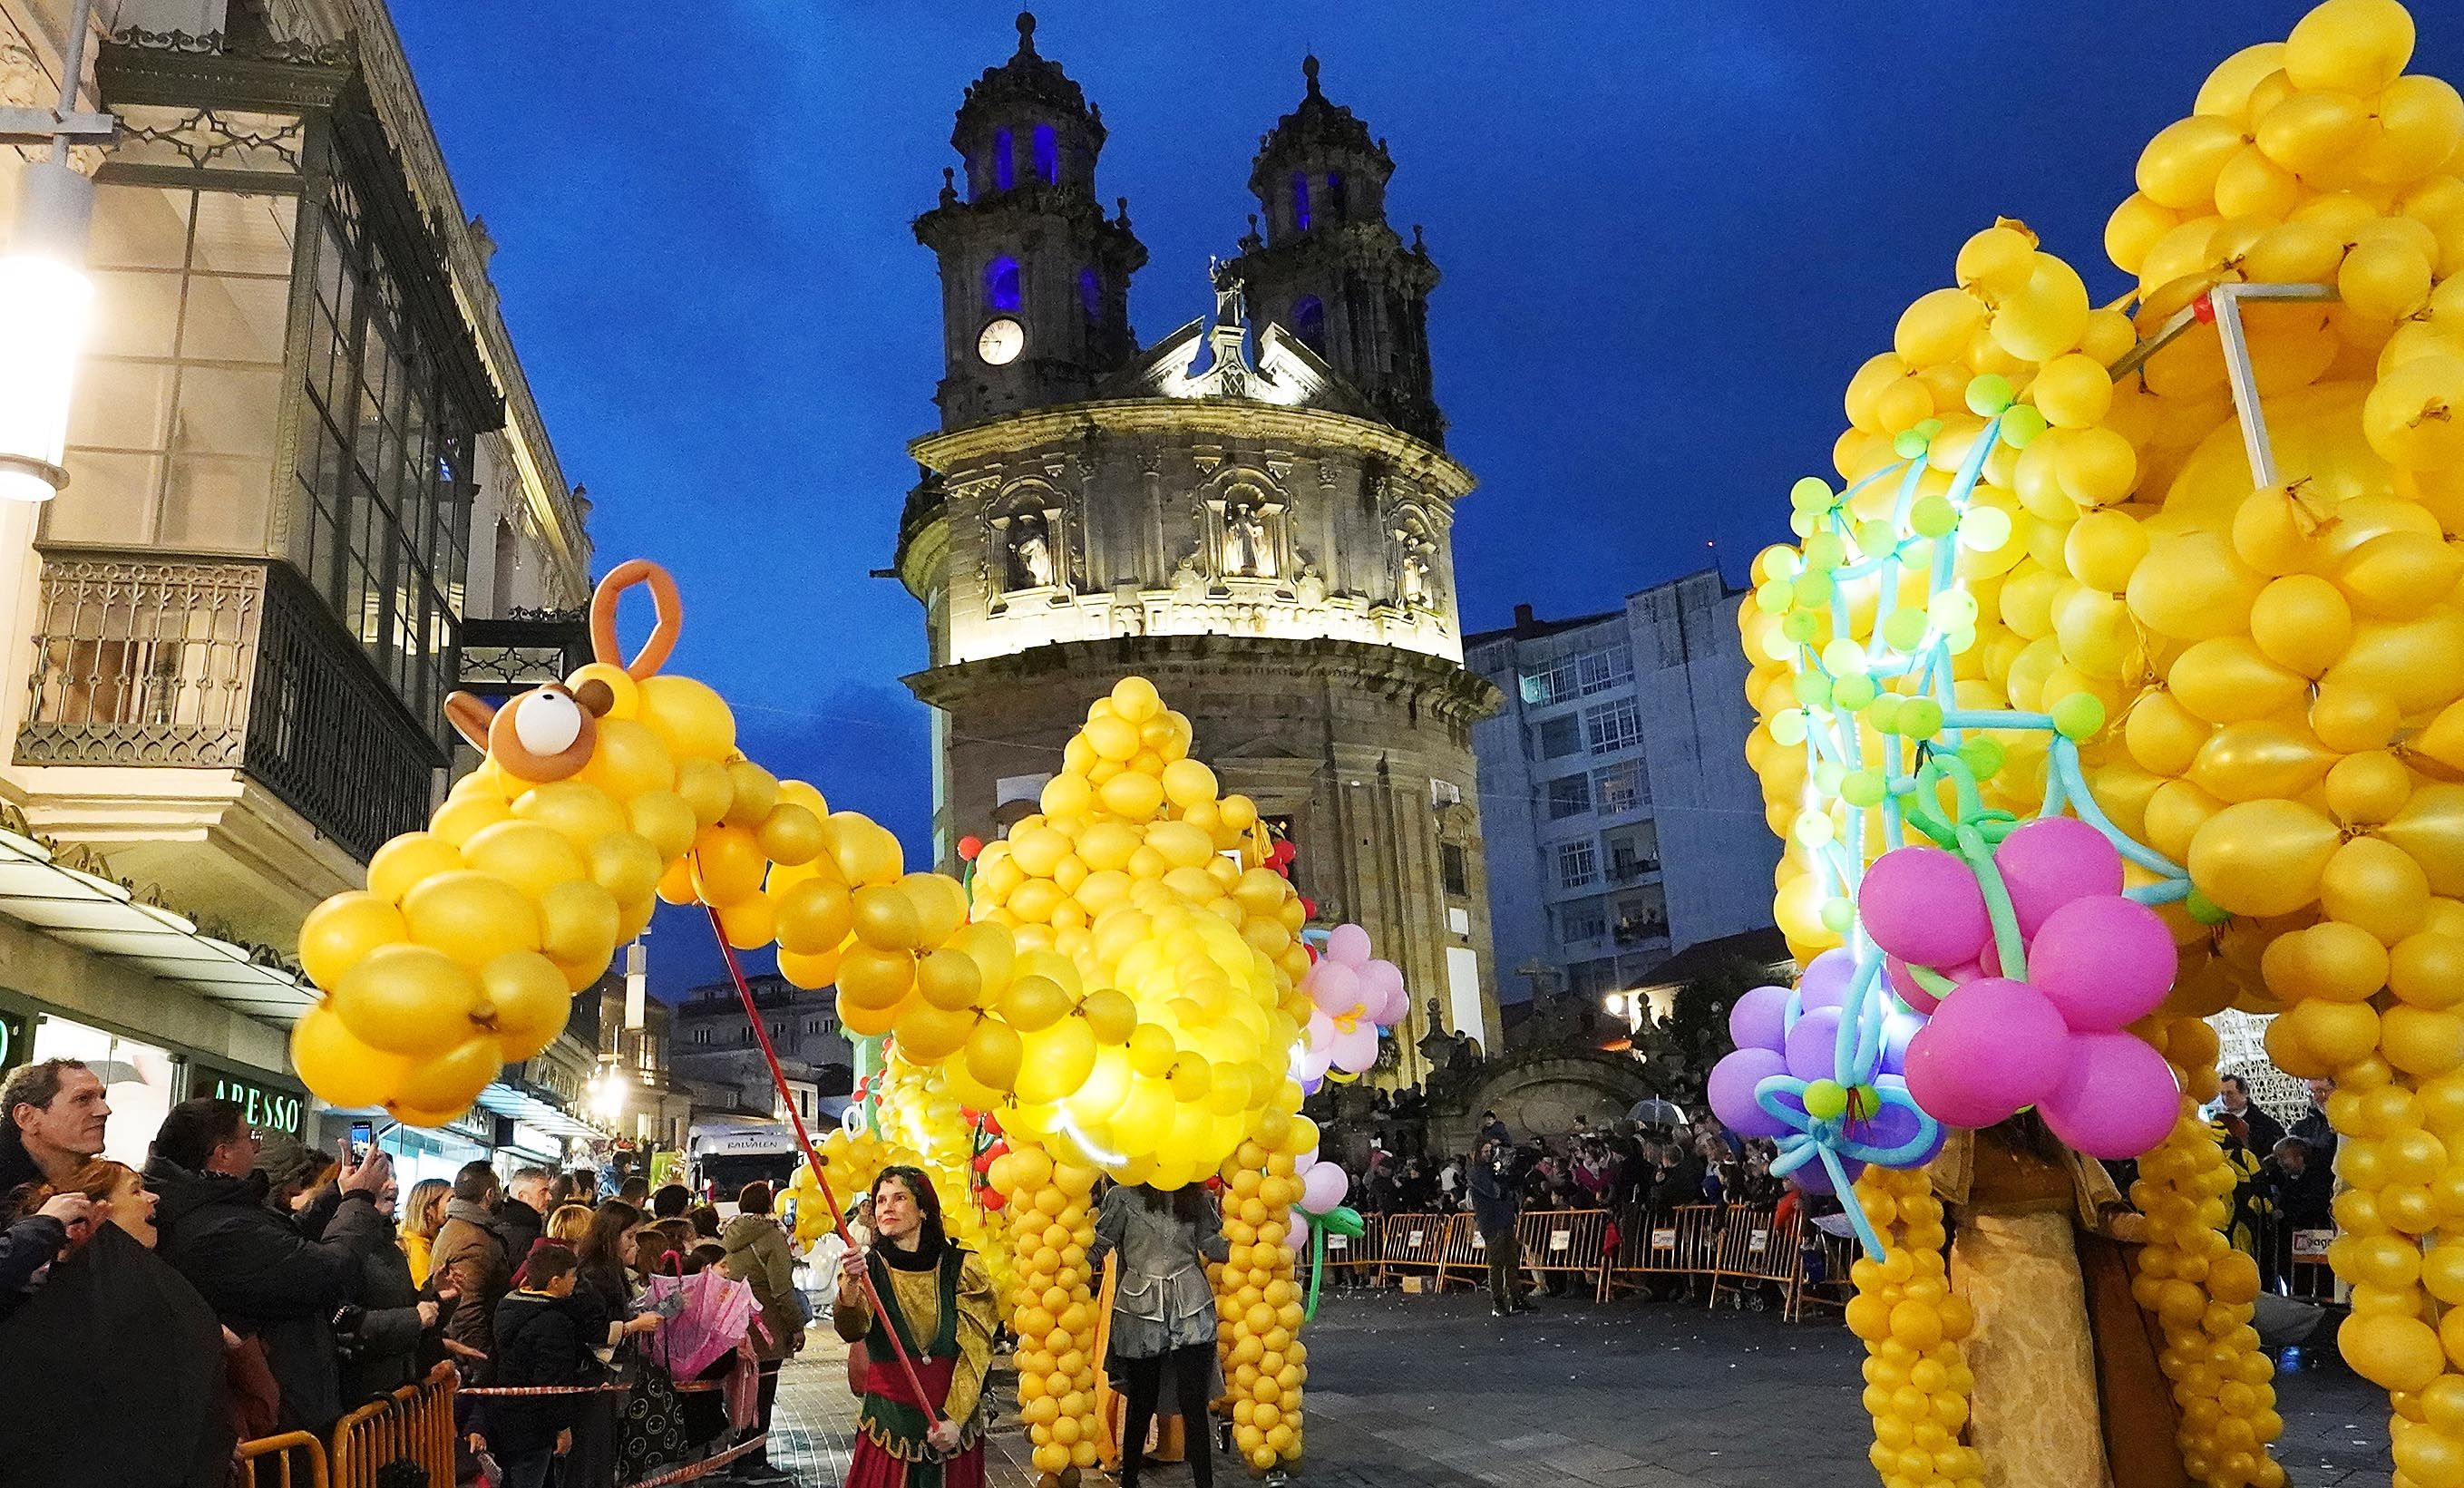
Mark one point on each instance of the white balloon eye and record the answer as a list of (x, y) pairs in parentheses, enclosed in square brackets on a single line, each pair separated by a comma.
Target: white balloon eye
[(547, 723)]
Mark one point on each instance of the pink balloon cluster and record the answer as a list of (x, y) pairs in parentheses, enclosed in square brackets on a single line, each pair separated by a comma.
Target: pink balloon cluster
[(1351, 995), (1323, 1188), (1994, 1045)]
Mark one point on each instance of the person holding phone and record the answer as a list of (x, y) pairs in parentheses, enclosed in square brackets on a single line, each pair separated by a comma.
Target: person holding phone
[(1163, 1312)]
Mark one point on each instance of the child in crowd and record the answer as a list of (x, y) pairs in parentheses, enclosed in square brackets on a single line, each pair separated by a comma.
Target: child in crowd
[(539, 1342)]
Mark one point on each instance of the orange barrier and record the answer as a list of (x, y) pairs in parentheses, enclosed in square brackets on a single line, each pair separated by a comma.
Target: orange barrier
[(1363, 1251), (284, 1450), (1417, 1243), (1754, 1247), (1681, 1241), (415, 1423)]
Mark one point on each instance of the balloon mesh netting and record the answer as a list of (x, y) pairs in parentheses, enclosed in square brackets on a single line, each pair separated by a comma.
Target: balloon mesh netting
[(2171, 584)]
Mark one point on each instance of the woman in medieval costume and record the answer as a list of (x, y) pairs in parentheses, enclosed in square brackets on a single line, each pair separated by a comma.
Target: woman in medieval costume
[(2068, 1390), (937, 1302)]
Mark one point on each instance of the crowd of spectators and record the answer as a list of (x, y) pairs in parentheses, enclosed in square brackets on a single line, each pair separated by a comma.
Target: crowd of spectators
[(244, 1285), (1622, 1166)]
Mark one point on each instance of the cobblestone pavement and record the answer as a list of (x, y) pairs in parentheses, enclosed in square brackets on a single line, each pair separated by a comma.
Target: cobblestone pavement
[(1433, 1393)]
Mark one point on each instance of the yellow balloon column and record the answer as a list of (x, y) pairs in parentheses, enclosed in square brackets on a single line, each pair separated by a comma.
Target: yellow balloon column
[(2244, 608), (1917, 1381), (1258, 1306), (1052, 1305)]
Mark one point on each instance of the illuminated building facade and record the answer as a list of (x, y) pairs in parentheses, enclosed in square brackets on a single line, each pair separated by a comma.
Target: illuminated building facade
[(1255, 512)]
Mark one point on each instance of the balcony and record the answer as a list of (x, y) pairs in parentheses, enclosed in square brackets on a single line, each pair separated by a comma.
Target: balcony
[(503, 657), (229, 667)]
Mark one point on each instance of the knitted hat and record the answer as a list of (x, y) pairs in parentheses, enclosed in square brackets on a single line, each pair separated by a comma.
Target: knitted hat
[(287, 1161)]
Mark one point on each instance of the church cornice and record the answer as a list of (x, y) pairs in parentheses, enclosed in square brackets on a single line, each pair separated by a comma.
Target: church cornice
[(1439, 685), (1299, 428)]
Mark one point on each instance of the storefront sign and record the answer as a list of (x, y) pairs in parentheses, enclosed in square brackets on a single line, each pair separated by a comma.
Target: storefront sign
[(269, 1107)]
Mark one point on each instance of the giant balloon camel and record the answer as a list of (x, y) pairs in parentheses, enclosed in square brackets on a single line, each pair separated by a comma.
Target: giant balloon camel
[(1119, 996), (2116, 682)]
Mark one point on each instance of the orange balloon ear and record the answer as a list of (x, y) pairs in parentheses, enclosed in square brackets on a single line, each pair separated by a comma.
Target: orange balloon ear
[(665, 601), (471, 718)]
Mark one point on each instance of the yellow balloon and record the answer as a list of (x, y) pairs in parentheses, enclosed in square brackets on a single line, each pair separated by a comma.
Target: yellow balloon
[(470, 916), (582, 813), (629, 760), (992, 1055), (1187, 784), (626, 865), (703, 786), (1055, 1061), (407, 1000), (2357, 47), (689, 718), (531, 857), (338, 1067), (451, 1081), (950, 979), (2431, 831), (406, 860), (791, 834), (341, 932), (578, 924), (728, 865), (523, 1001), (2262, 857), (665, 820), (1132, 795)]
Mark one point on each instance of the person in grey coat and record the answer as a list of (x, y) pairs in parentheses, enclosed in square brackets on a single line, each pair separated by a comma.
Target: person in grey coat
[(1163, 1312), (1494, 1205)]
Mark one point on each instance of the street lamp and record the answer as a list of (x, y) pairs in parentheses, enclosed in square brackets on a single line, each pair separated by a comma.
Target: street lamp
[(44, 294)]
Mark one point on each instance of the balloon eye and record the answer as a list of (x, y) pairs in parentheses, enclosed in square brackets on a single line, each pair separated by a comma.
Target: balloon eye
[(548, 723)]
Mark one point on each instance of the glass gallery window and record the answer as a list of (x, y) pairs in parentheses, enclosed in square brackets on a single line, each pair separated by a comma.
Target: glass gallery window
[(384, 470), (172, 435)]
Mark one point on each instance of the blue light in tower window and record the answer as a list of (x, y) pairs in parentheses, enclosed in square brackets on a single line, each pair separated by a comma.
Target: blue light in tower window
[(1308, 321), (1338, 198), (1300, 200), (1001, 284), (1047, 155), (1090, 294), (1004, 160)]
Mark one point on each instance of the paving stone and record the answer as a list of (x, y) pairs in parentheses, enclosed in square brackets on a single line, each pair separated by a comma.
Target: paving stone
[(1432, 1392)]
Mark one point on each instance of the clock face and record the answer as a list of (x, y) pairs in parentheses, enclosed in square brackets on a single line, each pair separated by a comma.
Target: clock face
[(1000, 341)]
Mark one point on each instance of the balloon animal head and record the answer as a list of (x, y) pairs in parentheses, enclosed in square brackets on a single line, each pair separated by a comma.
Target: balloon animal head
[(550, 731)]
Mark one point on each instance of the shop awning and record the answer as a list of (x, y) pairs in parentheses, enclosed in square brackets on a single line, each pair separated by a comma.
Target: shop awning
[(97, 915), (509, 1100)]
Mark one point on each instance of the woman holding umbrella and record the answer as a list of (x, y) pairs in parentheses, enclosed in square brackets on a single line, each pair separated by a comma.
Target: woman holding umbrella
[(938, 1301)]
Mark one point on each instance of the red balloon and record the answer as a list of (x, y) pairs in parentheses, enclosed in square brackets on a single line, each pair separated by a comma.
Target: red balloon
[(1309, 907), (1286, 852), (969, 848)]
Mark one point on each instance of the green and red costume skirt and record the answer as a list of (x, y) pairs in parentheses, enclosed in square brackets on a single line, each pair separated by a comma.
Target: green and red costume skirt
[(890, 1449)]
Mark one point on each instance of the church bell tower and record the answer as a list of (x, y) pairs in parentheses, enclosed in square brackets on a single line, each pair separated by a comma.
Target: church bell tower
[(1331, 271), (1035, 280)]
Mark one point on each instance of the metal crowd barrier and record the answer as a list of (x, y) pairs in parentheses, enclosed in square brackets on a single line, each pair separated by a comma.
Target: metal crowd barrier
[(1414, 1248), (284, 1450), (415, 1423)]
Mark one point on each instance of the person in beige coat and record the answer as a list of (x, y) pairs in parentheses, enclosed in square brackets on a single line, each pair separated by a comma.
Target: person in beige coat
[(758, 1255)]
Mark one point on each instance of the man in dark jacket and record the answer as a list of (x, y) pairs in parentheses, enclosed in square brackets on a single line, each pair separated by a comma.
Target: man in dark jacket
[(52, 1115), (2233, 1099), (1494, 1207), (264, 1274), (521, 1215)]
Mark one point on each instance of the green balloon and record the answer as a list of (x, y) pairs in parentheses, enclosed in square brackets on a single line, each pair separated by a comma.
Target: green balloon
[(2022, 426), (1989, 394), (1342, 1221)]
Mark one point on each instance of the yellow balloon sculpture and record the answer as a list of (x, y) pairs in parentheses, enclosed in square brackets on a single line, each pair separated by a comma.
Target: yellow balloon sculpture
[(1118, 991), (2241, 604)]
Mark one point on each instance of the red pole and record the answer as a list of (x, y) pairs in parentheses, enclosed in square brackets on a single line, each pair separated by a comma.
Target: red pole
[(804, 1139)]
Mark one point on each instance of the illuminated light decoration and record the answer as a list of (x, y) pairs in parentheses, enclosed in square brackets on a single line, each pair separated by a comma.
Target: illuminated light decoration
[(46, 297), (1001, 289)]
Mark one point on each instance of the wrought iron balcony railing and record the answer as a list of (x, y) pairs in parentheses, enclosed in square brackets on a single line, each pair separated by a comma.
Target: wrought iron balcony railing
[(502, 657), (153, 659)]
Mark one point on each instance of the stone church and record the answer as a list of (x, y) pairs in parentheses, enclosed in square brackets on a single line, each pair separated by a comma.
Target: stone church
[(1255, 512)]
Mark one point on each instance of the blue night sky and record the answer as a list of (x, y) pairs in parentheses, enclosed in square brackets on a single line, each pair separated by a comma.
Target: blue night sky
[(1669, 233)]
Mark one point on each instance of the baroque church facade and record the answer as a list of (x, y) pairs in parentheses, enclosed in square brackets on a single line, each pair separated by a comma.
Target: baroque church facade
[(1255, 512)]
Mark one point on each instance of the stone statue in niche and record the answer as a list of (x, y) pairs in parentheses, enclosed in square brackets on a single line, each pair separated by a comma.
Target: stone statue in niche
[(1031, 553), (1247, 550), (1188, 585), (1416, 582), (1311, 590)]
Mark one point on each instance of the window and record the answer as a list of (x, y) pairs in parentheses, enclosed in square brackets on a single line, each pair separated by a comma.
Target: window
[(777, 1031), (812, 1025), (1550, 684), (384, 461), (1338, 196), (1560, 737), (1090, 294), (1611, 666), (1456, 864), (174, 423), (1047, 155), (1633, 852), (1593, 978), (1300, 200), (1568, 796), (1004, 160), (1308, 322), (1585, 919), (1578, 864), (1001, 284), (701, 1035), (1612, 727), (1619, 787), (746, 1036)]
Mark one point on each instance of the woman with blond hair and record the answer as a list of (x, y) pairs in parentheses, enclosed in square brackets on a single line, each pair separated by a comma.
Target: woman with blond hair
[(423, 1214)]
